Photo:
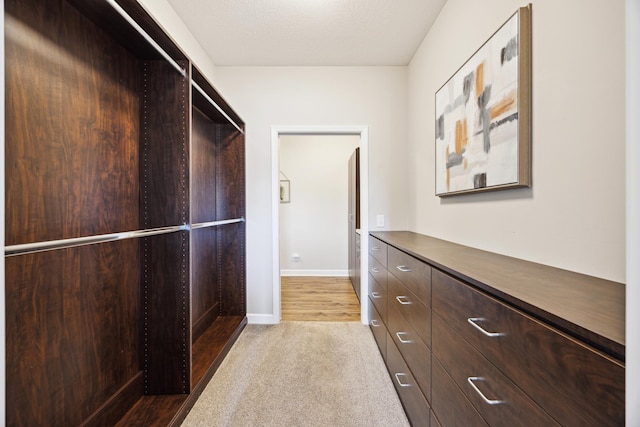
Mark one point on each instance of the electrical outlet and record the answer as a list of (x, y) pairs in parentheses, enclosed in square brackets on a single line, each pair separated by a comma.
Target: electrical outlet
[(295, 257), (380, 221)]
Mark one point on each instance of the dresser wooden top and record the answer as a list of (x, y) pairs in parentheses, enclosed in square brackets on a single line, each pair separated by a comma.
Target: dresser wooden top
[(586, 307)]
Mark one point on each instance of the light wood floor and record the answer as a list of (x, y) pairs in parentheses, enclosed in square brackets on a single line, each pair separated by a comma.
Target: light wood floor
[(329, 299)]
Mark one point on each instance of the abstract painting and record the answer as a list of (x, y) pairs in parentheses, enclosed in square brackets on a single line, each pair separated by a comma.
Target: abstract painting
[(483, 123)]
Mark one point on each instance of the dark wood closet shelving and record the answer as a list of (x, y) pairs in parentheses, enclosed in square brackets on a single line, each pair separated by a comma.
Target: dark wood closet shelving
[(125, 205)]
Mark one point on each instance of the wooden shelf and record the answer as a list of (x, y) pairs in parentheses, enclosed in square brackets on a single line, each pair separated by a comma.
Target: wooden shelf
[(212, 346)]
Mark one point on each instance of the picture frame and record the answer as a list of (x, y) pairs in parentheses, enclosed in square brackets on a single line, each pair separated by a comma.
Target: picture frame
[(483, 115), (285, 191)]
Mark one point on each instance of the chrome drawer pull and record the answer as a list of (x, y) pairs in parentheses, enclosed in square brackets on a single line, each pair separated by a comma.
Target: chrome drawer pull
[(405, 341), (375, 248), (400, 383), (403, 300), (375, 323), (473, 320), (376, 295), (403, 268), (375, 270), (471, 380)]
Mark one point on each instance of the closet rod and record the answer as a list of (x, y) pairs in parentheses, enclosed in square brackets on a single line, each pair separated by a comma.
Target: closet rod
[(212, 102), (146, 36), (28, 248), (215, 223)]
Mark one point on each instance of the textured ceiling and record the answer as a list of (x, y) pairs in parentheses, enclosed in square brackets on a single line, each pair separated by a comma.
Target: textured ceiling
[(309, 32)]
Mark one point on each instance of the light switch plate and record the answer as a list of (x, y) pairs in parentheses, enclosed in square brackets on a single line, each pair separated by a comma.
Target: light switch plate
[(380, 221)]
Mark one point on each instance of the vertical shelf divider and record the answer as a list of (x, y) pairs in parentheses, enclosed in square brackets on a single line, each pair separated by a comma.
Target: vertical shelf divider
[(165, 199)]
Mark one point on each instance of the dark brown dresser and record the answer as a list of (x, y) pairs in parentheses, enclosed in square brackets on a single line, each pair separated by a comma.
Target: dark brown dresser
[(476, 338)]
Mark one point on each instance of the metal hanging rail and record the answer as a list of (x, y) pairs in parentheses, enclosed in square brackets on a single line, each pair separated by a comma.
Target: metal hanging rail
[(146, 36), (217, 107), (215, 223), (27, 248)]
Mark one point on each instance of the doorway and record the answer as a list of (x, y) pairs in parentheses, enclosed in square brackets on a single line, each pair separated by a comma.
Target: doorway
[(277, 176)]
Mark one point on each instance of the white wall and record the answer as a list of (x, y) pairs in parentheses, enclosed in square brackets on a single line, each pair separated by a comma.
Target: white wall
[(314, 224), (315, 96), (573, 217), (633, 213)]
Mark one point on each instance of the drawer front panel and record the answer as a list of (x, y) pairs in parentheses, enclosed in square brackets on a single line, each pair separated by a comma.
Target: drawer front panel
[(434, 420), (378, 329), (417, 314), (415, 353), (449, 403), (378, 249), (575, 384), (377, 271), (507, 405), (413, 273), (378, 295), (415, 404)]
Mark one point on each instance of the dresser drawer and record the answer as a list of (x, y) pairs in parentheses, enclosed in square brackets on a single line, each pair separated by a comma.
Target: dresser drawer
[(378, 249), (413, 273), (449, 403), (378, 329), (377, 271), (415, 353), (495, 397), (575, 384), (414, 402), (378, 295), (417, 314), (434, 420)]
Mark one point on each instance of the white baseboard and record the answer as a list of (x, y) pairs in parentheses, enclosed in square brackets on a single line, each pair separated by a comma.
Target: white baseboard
[(262, 319), (318, 273)]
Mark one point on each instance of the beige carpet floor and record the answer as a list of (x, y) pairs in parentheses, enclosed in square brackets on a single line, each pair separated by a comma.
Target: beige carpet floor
[(301, 374)]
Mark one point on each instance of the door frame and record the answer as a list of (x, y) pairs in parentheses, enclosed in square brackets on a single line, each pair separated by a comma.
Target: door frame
[(363, 133)]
